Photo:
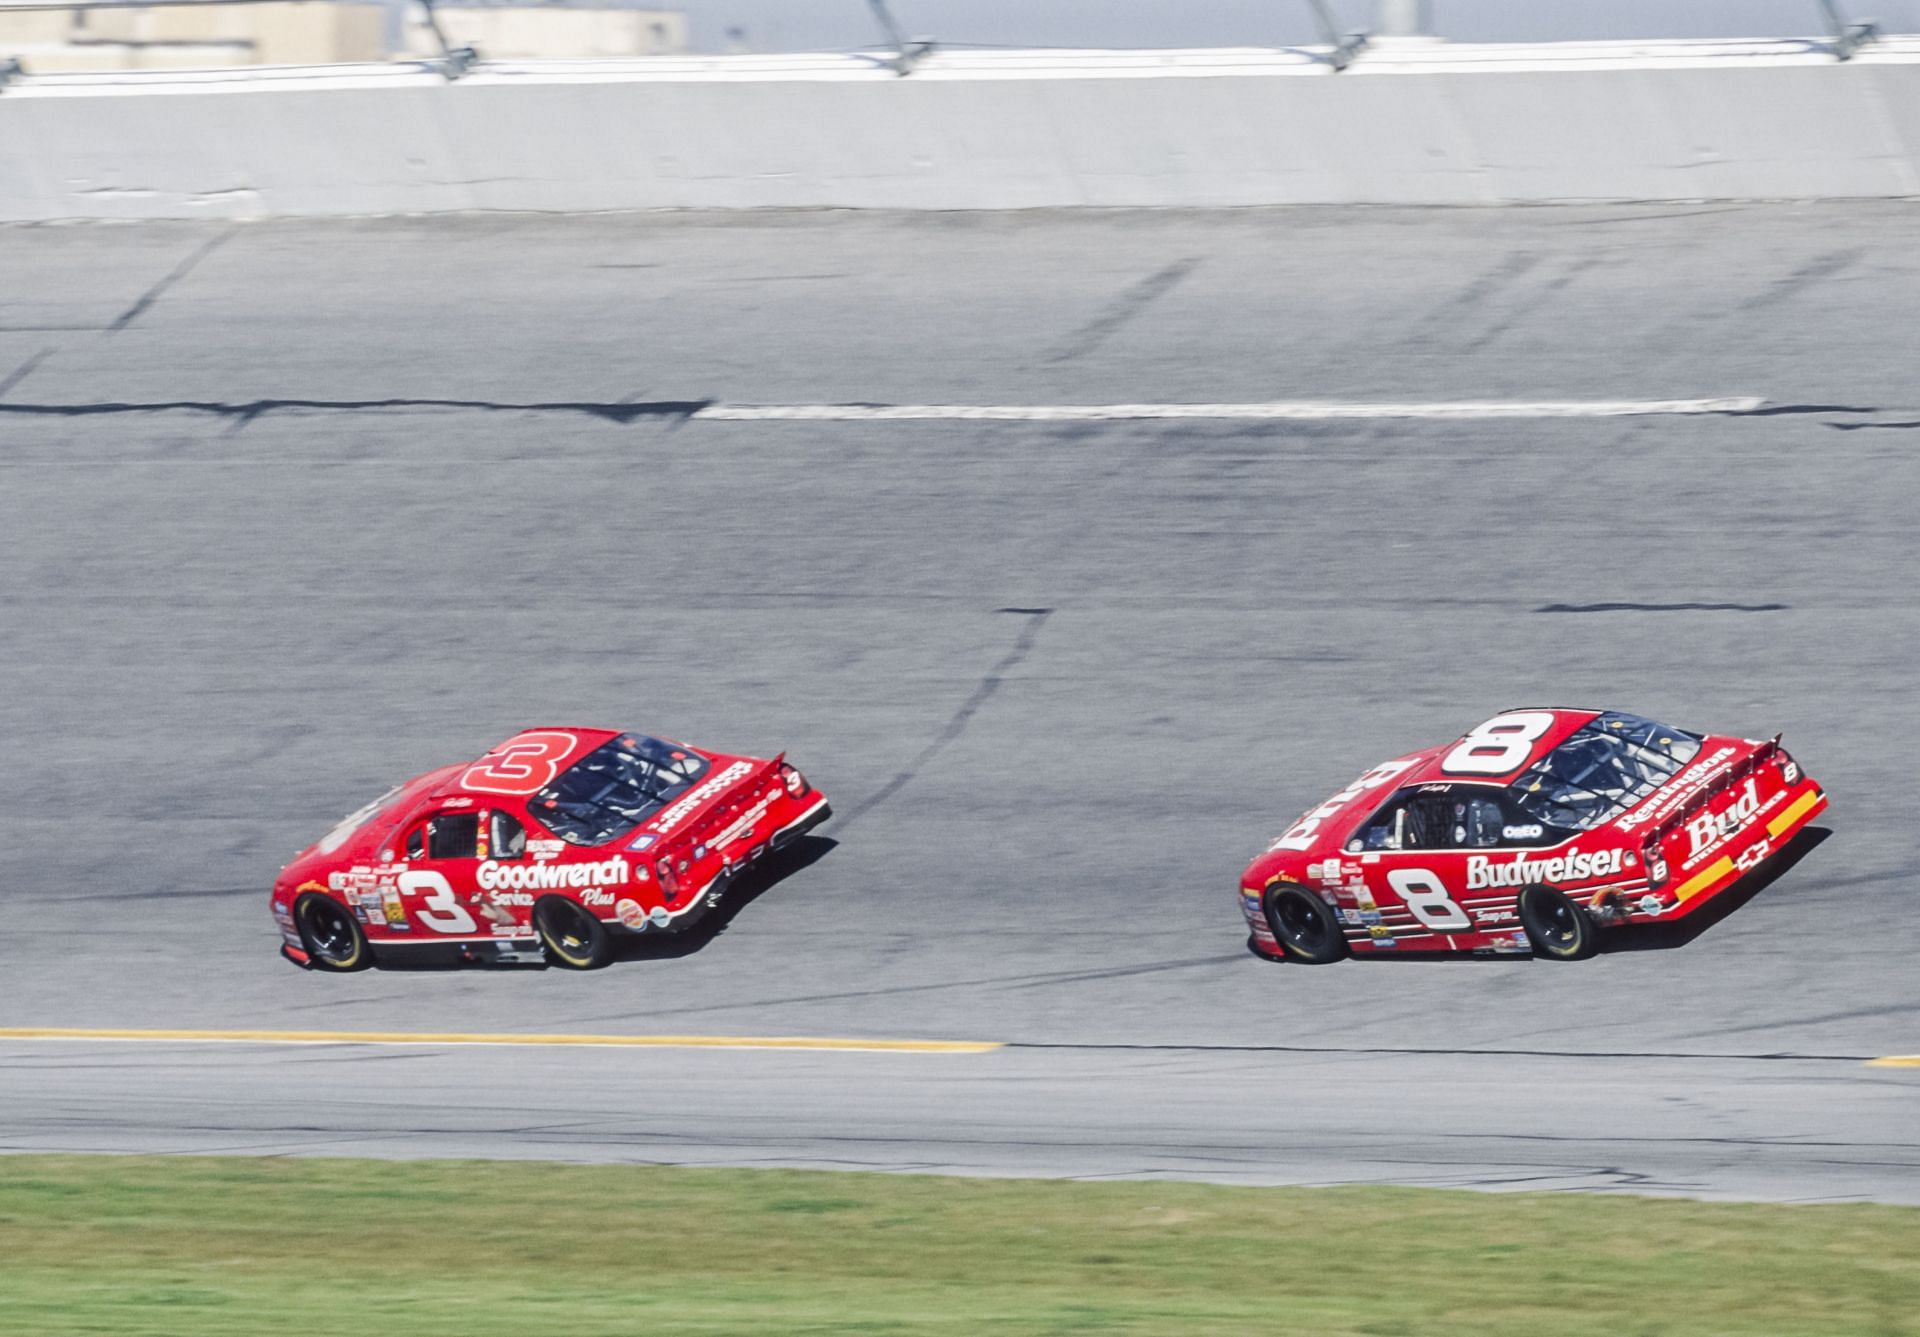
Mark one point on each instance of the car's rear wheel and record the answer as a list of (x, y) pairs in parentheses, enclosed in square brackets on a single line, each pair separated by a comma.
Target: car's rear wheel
[(332, 938), (1303, 925), (1556, 927), (572, 937)]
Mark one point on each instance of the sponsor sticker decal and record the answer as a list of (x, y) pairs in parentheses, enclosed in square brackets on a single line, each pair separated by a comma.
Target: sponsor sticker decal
[(630, 913), (1709, 829), (684, 806), (1677, 790), (1579, 866), (494, 875)]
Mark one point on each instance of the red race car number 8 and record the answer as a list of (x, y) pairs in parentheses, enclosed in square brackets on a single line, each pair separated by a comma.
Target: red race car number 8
[(1500, 745), (521, 766), (1427, 899)]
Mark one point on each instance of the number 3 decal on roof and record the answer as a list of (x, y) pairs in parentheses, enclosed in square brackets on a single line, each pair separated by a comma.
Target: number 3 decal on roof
[(520, 765), (1500, 745)]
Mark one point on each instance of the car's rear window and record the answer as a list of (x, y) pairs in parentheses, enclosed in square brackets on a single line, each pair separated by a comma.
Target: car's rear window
[(1603, 769), (616, 787)]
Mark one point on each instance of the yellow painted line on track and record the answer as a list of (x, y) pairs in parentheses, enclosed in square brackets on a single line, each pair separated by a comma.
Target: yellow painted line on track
[(505, 1038), (1895, 1061)]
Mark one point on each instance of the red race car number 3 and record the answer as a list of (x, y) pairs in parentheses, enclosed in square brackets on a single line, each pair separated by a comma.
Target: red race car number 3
[(520, 765)]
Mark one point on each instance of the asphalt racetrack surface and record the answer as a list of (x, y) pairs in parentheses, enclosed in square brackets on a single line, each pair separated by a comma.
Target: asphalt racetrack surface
[(291, 511)]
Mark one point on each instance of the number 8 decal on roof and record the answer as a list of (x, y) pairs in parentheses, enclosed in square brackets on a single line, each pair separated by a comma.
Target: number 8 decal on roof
[(1500, 745)]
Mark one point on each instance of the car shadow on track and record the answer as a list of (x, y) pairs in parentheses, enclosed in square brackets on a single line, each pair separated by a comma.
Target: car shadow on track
[(1649, 937), (1663, 937), (756, 881)]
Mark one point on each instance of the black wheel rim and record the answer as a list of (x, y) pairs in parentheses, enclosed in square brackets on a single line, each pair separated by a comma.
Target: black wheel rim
[(1557, 921), (567, 930), (329, 931), (1298, 924)]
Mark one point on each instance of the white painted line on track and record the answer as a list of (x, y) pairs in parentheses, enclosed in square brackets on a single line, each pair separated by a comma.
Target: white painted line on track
[(496, 1038), (1303, 410)]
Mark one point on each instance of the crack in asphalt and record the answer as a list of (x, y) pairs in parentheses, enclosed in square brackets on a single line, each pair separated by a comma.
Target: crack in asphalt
[(24, 370), (246, 411), (1514, 314), (1797, 411), (1466, 301), (1415, 1052), (145, 301), (547, 1131), (957, 725), (1806, 276), (1122, 309), (1011, 981), (1852, 1014), (1632, 607), (625, 411)]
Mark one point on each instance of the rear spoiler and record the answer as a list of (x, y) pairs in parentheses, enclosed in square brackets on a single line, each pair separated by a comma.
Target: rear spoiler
[(763, 776), (1734, 772), (721, 812)]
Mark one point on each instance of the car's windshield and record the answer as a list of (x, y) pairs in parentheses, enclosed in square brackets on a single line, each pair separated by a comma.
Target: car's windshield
[(1602, 770), (353, 821), (616, 787)]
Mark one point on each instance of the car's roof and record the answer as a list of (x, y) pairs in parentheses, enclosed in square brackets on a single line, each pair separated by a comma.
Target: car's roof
[(553, 746), (1430, 764)]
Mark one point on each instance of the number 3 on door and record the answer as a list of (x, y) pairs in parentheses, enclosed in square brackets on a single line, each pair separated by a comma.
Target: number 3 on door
[(443, 913)]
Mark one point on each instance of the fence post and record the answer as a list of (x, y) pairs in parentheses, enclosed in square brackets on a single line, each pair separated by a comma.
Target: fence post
[(454, 60), (1345, 48), (1847, 37), (908, 52), (1404, 18)]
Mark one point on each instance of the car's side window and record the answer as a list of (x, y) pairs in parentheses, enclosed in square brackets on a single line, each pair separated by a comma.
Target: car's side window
[(507, 837), (453, 835), (1443, 817)]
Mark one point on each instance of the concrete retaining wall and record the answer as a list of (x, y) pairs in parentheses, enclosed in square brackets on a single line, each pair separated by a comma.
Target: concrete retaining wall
[(1430, 124)]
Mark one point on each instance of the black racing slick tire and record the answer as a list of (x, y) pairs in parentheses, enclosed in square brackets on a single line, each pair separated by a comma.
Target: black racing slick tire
[(1558, 929), (1303, 925), (572, 937), (332, 937)]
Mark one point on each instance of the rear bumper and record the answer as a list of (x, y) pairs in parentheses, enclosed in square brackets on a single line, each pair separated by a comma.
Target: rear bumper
[(709, 897), (1727, 869), (802, 824)]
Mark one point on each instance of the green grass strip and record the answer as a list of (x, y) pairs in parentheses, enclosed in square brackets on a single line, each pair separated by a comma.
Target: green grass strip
[(212, 1247)]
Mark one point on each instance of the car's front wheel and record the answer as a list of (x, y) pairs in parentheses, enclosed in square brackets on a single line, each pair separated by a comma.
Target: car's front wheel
[(1557, 928), (332, 938), (1303, 925), (572, 937)]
